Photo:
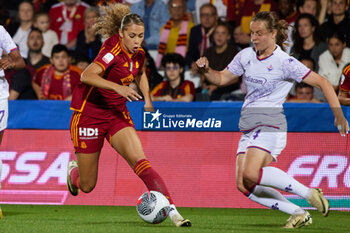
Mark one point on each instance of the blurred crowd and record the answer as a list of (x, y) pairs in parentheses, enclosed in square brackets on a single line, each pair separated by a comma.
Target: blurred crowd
[(58, 41)]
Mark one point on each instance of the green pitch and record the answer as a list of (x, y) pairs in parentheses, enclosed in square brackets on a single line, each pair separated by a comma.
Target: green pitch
[(106, 219)]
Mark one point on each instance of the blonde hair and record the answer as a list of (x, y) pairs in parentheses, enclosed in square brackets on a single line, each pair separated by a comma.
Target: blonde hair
[(115, 16)]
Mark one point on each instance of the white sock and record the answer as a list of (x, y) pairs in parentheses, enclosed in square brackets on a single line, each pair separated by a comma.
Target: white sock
[(276, 178), (267, 192), (286, 207), (273, 199), (173, 211)]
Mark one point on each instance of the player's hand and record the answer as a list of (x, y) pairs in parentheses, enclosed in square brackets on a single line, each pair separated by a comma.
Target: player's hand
[(202, 64), (167, 98), (149, 107), (128, 93), (6, 63), (342, 124)]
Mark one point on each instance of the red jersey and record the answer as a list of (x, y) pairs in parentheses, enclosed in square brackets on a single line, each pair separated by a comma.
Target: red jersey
[(120, 67), (163, 88), (345, 80), (56, 85), (250, 9), (59, 14)]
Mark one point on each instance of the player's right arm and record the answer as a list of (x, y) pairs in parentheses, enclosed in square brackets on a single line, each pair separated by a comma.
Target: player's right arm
[(93, 76), (219, 78)]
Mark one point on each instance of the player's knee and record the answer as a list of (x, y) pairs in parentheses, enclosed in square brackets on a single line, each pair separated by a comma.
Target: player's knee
[(250, 177), (86, 188)]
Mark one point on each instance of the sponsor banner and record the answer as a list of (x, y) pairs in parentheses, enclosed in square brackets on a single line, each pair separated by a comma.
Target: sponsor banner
[(189, 119), (194, 116), (198, 168)]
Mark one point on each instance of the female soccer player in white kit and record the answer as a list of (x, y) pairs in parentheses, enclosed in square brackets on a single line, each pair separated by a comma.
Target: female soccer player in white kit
[(268, 74), (12, 61)]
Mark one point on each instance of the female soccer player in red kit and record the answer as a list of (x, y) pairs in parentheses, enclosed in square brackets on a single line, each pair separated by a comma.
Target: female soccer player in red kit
[(99, 105)]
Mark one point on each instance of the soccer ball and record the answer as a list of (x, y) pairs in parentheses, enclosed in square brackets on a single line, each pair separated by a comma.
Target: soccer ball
[(153, 207)]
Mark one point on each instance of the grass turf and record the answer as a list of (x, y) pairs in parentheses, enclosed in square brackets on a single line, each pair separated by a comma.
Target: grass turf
[(40, 218)]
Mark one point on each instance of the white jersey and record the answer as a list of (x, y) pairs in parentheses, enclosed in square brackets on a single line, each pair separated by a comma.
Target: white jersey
[(268, 83), (7, 45)]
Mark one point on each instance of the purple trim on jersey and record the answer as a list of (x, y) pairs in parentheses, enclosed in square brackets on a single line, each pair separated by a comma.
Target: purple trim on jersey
[(247, 130), (260, 148), (13, 49), (240, 153), (264, 57), (307, 74)]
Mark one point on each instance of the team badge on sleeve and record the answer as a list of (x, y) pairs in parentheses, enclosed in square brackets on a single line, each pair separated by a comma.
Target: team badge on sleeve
[(107, 58), (342, 79)]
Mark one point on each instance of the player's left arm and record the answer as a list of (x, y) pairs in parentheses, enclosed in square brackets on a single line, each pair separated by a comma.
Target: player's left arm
[(12, 61), (142, 82), (185, 98), (318, 81)]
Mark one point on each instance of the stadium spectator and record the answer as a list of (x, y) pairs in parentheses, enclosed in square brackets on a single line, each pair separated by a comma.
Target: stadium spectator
[(304, 93), (36, 58), (20, 32), (264, 129), (82, 62), (201, 35), (344, 88), (42, 22), (313, 7), (175, 88), (219, 56), (99, 103), (12, 61), (251, 8), (306, 37), (58, 80), (220, 6), (88, 43), (337, 21), (234, 7), (155, 14), (241, 40), (20, 83), (175, 34), (67, 20), (287, 10), (333, 60)]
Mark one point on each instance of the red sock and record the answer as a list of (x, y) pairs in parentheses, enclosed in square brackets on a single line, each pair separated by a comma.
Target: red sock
[(151, 178), (74, 176)]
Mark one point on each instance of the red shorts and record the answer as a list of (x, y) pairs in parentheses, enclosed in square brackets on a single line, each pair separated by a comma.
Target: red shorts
[(88, 133)]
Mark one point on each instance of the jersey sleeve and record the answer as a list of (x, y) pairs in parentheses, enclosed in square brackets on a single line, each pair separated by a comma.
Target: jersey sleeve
[(345, 79), (294, 69), (108, 54), (235, 66), (157, 91), (6, 42), (189, 88)]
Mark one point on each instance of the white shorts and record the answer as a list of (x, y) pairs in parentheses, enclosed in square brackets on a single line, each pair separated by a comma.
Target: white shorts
[(4, 113), (265, 138)]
